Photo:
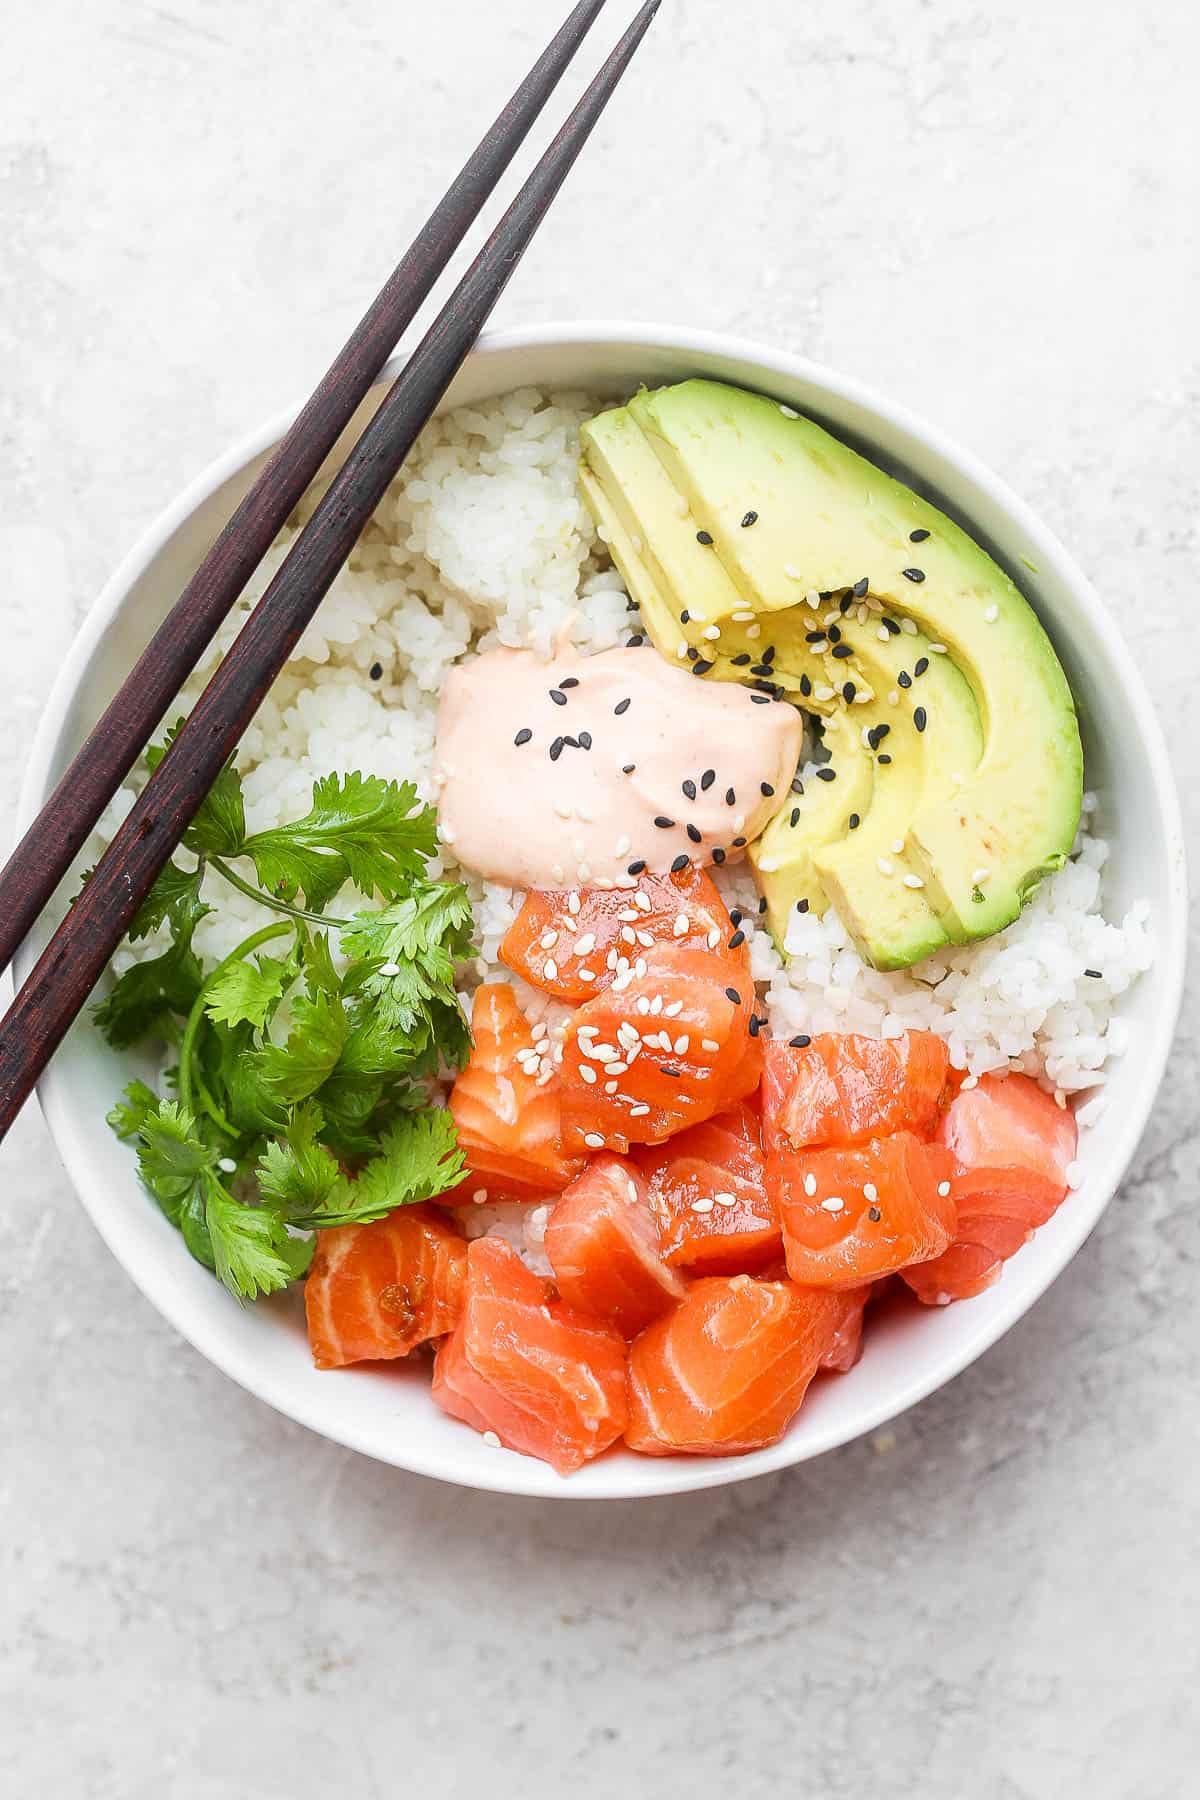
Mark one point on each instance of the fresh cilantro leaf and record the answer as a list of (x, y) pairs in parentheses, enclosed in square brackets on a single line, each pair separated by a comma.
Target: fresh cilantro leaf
[(297, 1174), (418, 1158), (248, 992), (174, 896), (360, 828), (412, 948), (172, 1155), (252, 1251), (232, 1067), (143, 999), (318, 1034), (219, 828), (132, 1110)]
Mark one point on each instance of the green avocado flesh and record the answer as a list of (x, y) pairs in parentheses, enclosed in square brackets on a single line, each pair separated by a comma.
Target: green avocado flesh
[(755, 542)]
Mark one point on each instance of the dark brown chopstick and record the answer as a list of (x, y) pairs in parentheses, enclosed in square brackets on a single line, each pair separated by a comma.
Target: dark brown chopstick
[(74, 960), (62, 827)]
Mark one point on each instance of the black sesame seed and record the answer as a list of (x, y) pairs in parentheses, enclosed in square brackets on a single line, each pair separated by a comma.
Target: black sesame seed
[(637, 868), (860, 588), (693, 655), (848, 691), (585, 740), (736, 915), (631, 606), (884, 758), (874, 1214), (628, 768), (570, 682), (918, 536), (572, 743), (764, 687), (679, 865), (685, 617), (854, 821), (376, 671), (814, 637), (802, 906), (904, 678), (920, 666), (843, 650), (636, 641), (718, 856), (664, 824), (704, 537), (523, 736), (826, 774), (737, 940), (795, 817), (732, 994), (890, 626), (558, 697), (801, 1042), (765, 789), (556, 749), (920, 718), (805, 686), (707, 779), (739, 843), (761, 669), (769, 653), (730, 797), (696, 836), (750, 518), (701, 667), (689, 788), (877, 734), (913, 574), (754, 1024), (1095, 974), (835, 634), (622, 706), (845, 603), (797, 785), (739, 662), (760, 699), (665, 1069)]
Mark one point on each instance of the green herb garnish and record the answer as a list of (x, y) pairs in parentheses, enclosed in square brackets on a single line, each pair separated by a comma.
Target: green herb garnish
[(302, 1086)]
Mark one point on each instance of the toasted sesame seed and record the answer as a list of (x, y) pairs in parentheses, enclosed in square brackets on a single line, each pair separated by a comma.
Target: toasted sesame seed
[(921, 664), (826, 774), (718, 856), (874, 1214), (704, 537)]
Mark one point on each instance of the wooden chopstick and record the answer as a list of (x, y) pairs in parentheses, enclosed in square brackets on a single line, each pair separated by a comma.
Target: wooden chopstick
[(62, 827), (76, 955)]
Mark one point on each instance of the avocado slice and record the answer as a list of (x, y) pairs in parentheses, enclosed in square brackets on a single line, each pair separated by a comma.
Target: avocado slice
[(841, 660), (828, 520)]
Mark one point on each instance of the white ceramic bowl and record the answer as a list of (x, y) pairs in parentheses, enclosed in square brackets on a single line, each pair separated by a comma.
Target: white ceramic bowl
[(387, 1413)]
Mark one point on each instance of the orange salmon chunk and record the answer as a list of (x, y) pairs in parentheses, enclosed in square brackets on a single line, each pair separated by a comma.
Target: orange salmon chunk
[(379, 1290), (709, 1195), (603, 1246), (851, 1215), (844, 1089), (508, 1118)]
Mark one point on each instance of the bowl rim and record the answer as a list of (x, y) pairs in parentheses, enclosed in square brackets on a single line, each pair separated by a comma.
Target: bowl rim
[(511, 1474)]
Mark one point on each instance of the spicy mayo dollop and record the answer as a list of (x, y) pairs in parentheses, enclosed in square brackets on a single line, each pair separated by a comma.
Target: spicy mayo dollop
[(581, 768)]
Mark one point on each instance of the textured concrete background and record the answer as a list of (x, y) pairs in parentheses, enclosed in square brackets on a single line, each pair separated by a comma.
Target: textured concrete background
[(990, 210)]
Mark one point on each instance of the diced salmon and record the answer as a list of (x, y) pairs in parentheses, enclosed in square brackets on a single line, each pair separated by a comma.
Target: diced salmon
[(603, 1247), (567, 953), (708, 1192), (844, 1089), (547, 1381), (725, 1372), (508, 1118), (377, 1291), (1012, 1147), (660, 1052), (847, 1345), (852, 1214)]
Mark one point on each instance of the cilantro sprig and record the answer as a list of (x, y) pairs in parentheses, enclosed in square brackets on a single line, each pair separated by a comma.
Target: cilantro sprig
[(301, 1088)]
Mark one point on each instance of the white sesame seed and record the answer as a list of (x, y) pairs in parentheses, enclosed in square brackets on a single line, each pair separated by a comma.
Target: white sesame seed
[(628, 936), (656, 1005), (611, 960), (810, 1185), (638, 1112), (883, 634), (834, 1204), (768, 865), (610, 1087), (585, 943), (702, 1206), (943, 1188), (980, 875), (792, 572), (539, 1031), (645, 939), (492, 1441), (893, 698), (643, 901), (673, 1011), (563, 811), (643, 1005), (972, 1081), (589, 1031), (593, 1140), (710, 1044), (549, 939), (713, 938), (583, 871), (897, 846), (909, 627), (588, 1075), (991, 614), (742, 618), (753, 632), (870, 1192), (622, 846), (681, 1044), (913, 881), (628, 915), (639, 967), (615, 1068), (682, 651), (824, 692), (550, 969), (389, 968), (227, 1165), (587, 974), (479, 1196), (788, 411), (812, 598), (698, 618), (622, 981), (711, 632), (884, 866), (573, 903), (725, 1199), (682, 925), (446, 833), (601, 1053), (938, 650)]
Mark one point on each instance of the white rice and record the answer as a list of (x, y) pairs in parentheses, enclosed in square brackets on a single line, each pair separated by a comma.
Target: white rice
[(484, 540)]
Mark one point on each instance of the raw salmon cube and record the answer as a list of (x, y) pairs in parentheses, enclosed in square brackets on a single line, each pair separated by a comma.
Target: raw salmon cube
[(844, 1089), (603, 1247), (377, 1291), (852, 1214), (708, 1192), (509, 1119)]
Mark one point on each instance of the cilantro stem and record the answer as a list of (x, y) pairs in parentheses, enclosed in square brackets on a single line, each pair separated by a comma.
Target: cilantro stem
[(264, 899), (195, 1018)]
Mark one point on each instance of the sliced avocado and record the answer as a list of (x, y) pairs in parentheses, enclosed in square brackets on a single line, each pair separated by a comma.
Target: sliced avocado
[(837, 658), (828, 520)]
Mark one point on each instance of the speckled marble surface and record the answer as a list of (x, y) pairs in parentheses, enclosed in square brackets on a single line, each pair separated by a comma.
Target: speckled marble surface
[(990, 211)]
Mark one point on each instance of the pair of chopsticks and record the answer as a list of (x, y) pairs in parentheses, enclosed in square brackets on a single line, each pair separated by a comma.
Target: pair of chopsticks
[(73, 961)]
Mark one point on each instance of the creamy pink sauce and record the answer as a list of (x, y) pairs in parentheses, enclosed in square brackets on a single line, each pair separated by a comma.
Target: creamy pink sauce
[(513, 812)]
